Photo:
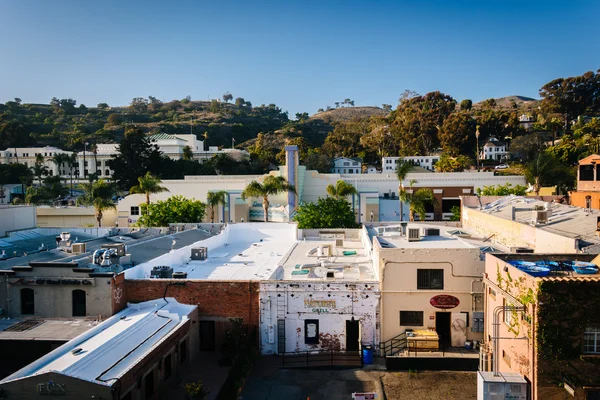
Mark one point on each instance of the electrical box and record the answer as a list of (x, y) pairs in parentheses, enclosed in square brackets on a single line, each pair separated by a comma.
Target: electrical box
[(478, 321), (503, 386), (199, 253)]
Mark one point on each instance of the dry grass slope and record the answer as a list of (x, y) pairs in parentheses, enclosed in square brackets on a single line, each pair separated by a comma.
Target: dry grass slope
[(348, 113)]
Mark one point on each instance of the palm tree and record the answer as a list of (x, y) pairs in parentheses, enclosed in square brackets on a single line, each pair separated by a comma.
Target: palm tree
[(403, 168), (417, 200), (341, 189), (271, 185), (98, 194), (39, 169), (148, 184), (72, 162), (213, 199), (101, 205), (540, 170), (187, 153)]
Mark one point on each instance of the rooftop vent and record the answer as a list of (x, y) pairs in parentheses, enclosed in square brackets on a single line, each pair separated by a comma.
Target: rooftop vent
[(76, 351), (179, 275)]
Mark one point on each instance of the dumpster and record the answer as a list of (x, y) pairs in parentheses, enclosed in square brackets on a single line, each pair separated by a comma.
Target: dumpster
[(367, 353)]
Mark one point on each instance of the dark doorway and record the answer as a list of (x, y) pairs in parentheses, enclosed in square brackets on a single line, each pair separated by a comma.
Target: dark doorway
[(78, 299), (352, 335), (27, 301), (442, 327), (207, 336)]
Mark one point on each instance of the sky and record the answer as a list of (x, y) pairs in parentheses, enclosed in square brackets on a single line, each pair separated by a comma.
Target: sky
[(301, 55)]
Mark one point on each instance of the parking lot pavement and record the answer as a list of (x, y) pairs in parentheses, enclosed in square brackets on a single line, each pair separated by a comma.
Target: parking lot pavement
[(269, 382)]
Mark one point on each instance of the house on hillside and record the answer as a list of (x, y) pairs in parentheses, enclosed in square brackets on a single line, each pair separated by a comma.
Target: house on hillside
[(494, 150), (346, 165), (390, 164), (526, 121)]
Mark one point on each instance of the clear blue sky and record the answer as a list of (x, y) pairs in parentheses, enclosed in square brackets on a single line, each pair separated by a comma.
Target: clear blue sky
[(300, 55)]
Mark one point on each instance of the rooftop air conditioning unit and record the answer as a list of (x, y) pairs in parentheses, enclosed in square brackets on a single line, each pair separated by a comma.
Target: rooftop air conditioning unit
[(414, 234), (200, 253), (162, 272), (119, 248), (540, 217), (431, 232), (78, 248)]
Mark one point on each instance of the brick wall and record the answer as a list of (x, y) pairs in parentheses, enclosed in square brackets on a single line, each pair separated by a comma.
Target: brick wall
[(233, 299)]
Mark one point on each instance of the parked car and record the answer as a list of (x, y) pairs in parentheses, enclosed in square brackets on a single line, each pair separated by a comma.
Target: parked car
[(501, 166)]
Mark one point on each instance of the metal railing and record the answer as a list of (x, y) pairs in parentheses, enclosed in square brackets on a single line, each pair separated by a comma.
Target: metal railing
[(394, 345), (321, 358)]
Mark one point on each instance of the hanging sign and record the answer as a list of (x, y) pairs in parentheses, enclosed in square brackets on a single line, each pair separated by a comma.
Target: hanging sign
[(444, 301)]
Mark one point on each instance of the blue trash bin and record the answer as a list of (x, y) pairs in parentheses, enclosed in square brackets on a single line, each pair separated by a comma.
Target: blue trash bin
[(367, 352)]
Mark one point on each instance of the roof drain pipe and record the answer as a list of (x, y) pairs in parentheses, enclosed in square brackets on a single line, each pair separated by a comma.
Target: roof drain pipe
[(496, 333)]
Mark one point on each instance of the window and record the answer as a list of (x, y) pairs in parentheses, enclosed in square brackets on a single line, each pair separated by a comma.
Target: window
[(167, 363), (506, 358), (346, 163), (448, 204), (591, 340), (311, 331), (149, 385), (592, 394), (411, 318), (430, 279), (509, 316), (492, 293), (183, 351), (135, 210)]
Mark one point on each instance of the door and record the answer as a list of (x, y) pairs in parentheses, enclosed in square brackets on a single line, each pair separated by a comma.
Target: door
[(352, 331), (78, 299), (27, 301), (207, 335), (442, 327)]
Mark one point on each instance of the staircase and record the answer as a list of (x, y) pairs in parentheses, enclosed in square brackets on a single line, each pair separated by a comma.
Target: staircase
[(394, 345)]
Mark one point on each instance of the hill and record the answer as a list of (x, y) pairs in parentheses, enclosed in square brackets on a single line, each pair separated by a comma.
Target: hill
[(509, 102), (344, 114)]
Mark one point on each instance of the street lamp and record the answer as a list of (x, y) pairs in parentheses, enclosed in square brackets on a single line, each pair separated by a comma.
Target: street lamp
[(84, 149)]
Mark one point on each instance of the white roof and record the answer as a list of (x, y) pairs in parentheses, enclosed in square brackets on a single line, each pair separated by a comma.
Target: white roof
[(446, 240), (246, 251), (110, 349)]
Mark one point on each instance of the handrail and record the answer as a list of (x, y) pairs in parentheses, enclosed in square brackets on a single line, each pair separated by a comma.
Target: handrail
[(394, 345), (321, 357)]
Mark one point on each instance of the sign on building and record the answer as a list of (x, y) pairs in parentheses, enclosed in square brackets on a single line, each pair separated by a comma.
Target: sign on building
[(364, 396)]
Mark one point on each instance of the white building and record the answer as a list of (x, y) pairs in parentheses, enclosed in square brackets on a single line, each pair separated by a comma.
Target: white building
[(494, 150), (345, 165), (318, 290), (390, 164), (526, 121), (88, 161)]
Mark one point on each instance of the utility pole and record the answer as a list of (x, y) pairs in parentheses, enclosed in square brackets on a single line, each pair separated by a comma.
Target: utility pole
[(477, 155)]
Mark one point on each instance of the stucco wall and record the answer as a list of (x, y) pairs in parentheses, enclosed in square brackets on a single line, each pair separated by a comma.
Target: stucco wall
[(463, 270), (14, 218), (73, 217), (55, 301), (300, 300)]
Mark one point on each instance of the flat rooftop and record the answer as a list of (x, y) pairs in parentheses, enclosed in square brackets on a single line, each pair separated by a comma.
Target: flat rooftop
[(113, 347), (448, 238), (44, 328), (247, 251), (568, 221), (560, 267), (349, 261)]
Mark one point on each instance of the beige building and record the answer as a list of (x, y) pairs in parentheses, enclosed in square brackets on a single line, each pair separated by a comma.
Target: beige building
[(542, 323), (132, 355), (528, 224), (59, 290), (48, 216), (430, 281)]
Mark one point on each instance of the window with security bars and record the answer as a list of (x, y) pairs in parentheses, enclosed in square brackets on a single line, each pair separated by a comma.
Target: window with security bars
[(591, 340), (411, 318), (430, 279)]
